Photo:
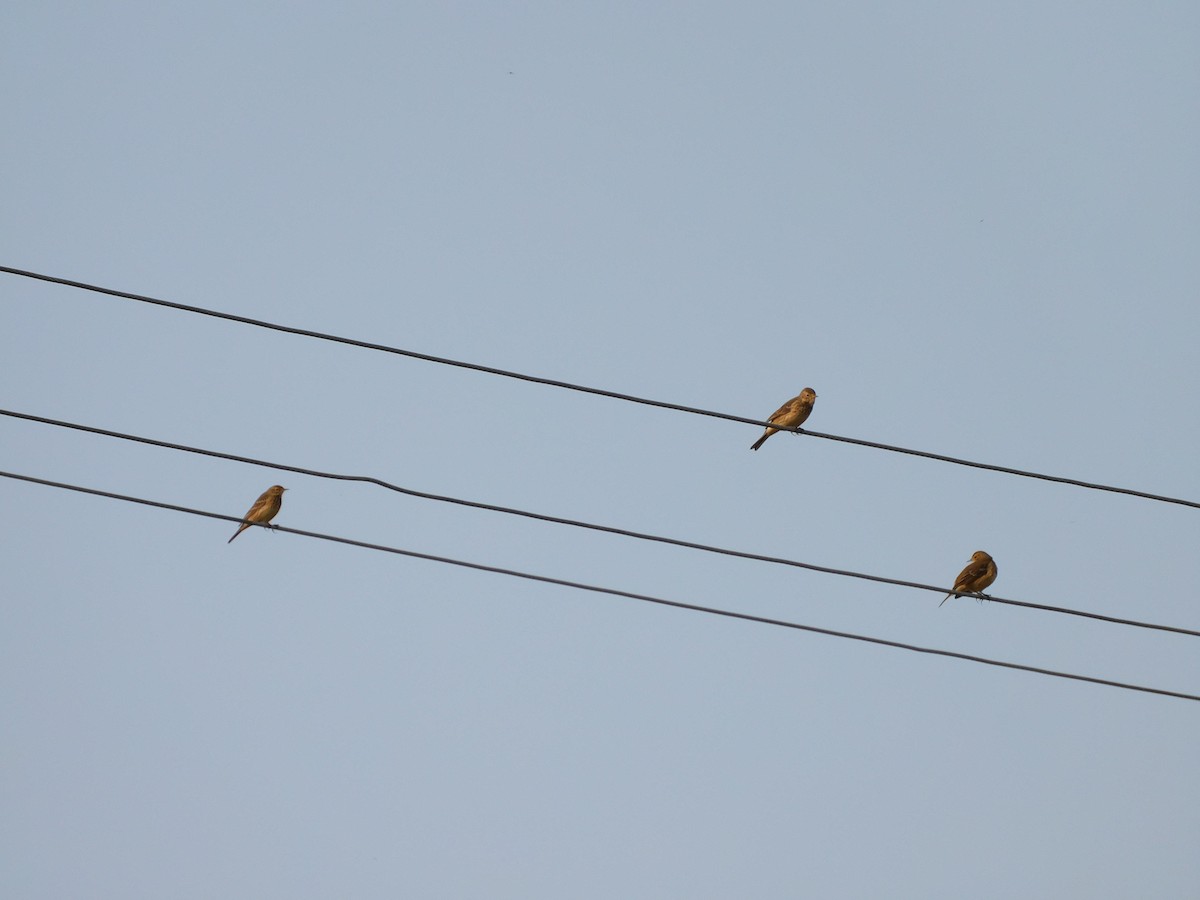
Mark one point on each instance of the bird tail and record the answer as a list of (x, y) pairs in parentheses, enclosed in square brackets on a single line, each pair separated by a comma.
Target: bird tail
[(944, 599), (762, 440), (242, 528)]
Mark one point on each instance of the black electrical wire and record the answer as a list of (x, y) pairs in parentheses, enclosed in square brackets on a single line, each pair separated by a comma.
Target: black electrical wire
[(645, 598), (566, 385), (557, 520)]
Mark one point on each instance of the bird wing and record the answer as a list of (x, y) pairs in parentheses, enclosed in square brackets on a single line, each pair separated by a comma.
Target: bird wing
[(966, 576), (784, 411), (775, 416)]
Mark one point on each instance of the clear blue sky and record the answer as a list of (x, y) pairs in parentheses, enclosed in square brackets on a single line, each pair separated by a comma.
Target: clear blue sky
[(972, 229)]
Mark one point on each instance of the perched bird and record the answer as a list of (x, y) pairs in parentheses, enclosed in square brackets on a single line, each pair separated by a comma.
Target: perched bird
[(263, 510), (793, 414), (979, 573)]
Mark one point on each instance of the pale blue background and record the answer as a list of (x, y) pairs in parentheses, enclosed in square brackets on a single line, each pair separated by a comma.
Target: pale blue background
[(972, 229)]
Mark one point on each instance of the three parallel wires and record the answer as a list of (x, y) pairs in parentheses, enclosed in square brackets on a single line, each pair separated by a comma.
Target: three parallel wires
[(580, 524)]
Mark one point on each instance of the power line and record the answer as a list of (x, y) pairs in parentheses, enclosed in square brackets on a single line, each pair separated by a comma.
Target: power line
[(566, 385), (578, 585), (575, 523)]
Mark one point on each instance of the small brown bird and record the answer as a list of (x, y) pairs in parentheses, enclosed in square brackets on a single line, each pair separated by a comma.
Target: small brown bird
[(979, 573), (263, 510), (792, 414)]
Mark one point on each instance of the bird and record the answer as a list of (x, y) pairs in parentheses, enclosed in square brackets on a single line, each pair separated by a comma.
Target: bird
[(791, 414), (979, 573), (263, 510)]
